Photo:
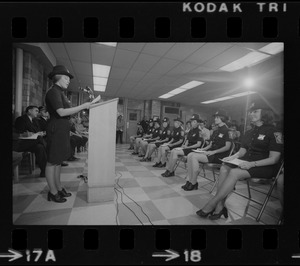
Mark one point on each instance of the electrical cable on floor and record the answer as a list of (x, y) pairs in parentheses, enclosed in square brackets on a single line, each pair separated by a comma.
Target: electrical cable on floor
[(117, 206), (118, 179), (128, 207)]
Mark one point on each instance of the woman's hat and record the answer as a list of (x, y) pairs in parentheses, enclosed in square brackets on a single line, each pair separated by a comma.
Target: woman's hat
[(60, 70), (220, 112), (195, 117), (150, 120), (258, 104), (166, 119), (178, 120)]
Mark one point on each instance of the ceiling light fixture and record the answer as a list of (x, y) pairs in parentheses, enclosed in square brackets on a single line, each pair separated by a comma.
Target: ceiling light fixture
[(273, 48), (229, 97)]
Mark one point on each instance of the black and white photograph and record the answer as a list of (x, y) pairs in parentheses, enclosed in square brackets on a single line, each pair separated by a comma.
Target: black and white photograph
[(147, 133)]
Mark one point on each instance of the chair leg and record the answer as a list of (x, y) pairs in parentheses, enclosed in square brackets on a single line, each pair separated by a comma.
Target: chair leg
[(215, 182), (248, 187), (265, 202)]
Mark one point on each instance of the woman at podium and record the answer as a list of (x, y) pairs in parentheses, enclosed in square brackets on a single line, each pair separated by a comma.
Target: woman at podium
[(58, 130)]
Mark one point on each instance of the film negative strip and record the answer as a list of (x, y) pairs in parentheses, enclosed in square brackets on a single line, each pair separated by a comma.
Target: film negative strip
[(36, 231)]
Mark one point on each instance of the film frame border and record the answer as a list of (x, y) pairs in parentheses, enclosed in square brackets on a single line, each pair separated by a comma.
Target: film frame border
[(251, 252)]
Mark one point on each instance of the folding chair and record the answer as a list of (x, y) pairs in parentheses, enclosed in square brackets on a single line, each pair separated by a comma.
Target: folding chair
[(268, 195), (215, 167)]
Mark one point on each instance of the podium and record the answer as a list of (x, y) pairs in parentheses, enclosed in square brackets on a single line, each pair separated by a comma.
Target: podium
[(101, 151)]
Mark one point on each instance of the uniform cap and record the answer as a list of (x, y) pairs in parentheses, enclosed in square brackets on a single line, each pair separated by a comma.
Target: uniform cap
[(258, 104), (195, 117), (220, 113), (166, 119), (178, 119)]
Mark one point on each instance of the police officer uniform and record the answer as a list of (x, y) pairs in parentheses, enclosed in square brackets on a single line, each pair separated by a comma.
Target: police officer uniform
[(58, 127), (176, 135), (155, 132), (193, 136), (165, 134)]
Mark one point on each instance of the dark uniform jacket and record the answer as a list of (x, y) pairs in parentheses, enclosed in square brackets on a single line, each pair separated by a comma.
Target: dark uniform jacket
[(193, 136), (259, 141), (165, 134), (23, 124), (177, 134), (42, 123), (219, 138), (150, 130), (156, 133)]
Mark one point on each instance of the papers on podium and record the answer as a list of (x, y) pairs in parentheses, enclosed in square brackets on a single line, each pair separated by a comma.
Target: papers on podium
[(97, 99), (234, 161), (34, 136), (178, 149)]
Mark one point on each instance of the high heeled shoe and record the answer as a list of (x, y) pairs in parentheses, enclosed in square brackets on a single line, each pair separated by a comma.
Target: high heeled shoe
[(56, 198), (217, 216), (190, 186), (204, 214), (64, 193), (184, 186)]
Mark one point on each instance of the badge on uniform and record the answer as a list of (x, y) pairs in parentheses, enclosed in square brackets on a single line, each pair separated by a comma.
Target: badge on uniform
[(221, 135), (194, 135), (177, 133), (278, 137), (261, 137)]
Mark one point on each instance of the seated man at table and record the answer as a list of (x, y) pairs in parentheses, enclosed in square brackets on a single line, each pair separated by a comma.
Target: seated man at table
[(26, 126)]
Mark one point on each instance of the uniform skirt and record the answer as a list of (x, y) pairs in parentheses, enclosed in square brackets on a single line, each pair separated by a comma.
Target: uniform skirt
[(216, 157), (176, 146), (58, 141), (268, 171)]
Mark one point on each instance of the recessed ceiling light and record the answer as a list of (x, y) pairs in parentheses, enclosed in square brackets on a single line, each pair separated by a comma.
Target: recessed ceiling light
[(113, 44), (100, 81), (191, 84), (99, 88), (101, 70), (273, 48), (229, 97)]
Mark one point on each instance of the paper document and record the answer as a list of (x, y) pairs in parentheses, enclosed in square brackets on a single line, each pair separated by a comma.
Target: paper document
[(234, 161), (178, 149), (34, 136), (199, 151), (98, 98)]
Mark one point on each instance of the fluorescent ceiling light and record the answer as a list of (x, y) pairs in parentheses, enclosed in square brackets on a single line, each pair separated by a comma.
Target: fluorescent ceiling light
[(99, 88), (272, 48), (229, 97), (191, 84), (247, 60), (113, 44), (101, 70), (100, 81), (165, 96), (176, 91)]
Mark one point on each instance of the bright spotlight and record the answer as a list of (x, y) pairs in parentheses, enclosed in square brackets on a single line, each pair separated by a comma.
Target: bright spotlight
[(249, 82)]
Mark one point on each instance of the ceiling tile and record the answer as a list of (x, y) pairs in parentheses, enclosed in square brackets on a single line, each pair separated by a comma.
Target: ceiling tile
[(182, 68), (135, 75), (59, 50), (207, 52), (136, 47), (181, 51), (85, 80), (102, 54), (79, 51), (124, 58), (82, 68), (226, 57), (118, 73), (157, 49), (163, 66), (145, 62)]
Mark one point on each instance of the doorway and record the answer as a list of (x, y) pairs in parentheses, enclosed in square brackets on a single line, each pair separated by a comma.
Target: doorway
[(133, 117)]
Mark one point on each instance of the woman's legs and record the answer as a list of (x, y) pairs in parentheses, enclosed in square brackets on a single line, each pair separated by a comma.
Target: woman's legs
[(151, 148), (50, 176), (226, 187), (159, 154), (57, 177), (173, 159), (195, 158), (163, 154), (143, 145), (137, 145)]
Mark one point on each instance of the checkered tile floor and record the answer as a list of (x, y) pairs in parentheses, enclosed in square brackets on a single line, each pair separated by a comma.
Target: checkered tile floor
[(142, 197)]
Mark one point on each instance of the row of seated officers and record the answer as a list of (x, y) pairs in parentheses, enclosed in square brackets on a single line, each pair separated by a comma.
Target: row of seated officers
[(34, 121), (261, 151)]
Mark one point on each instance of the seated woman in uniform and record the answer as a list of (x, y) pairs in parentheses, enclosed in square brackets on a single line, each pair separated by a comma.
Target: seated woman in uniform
[(146, 136), (218, 148), (188, 127), (155, 136), (260, 151), (81, 131), (139, 134), (163, 138), (177, 137), (193, 141)]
